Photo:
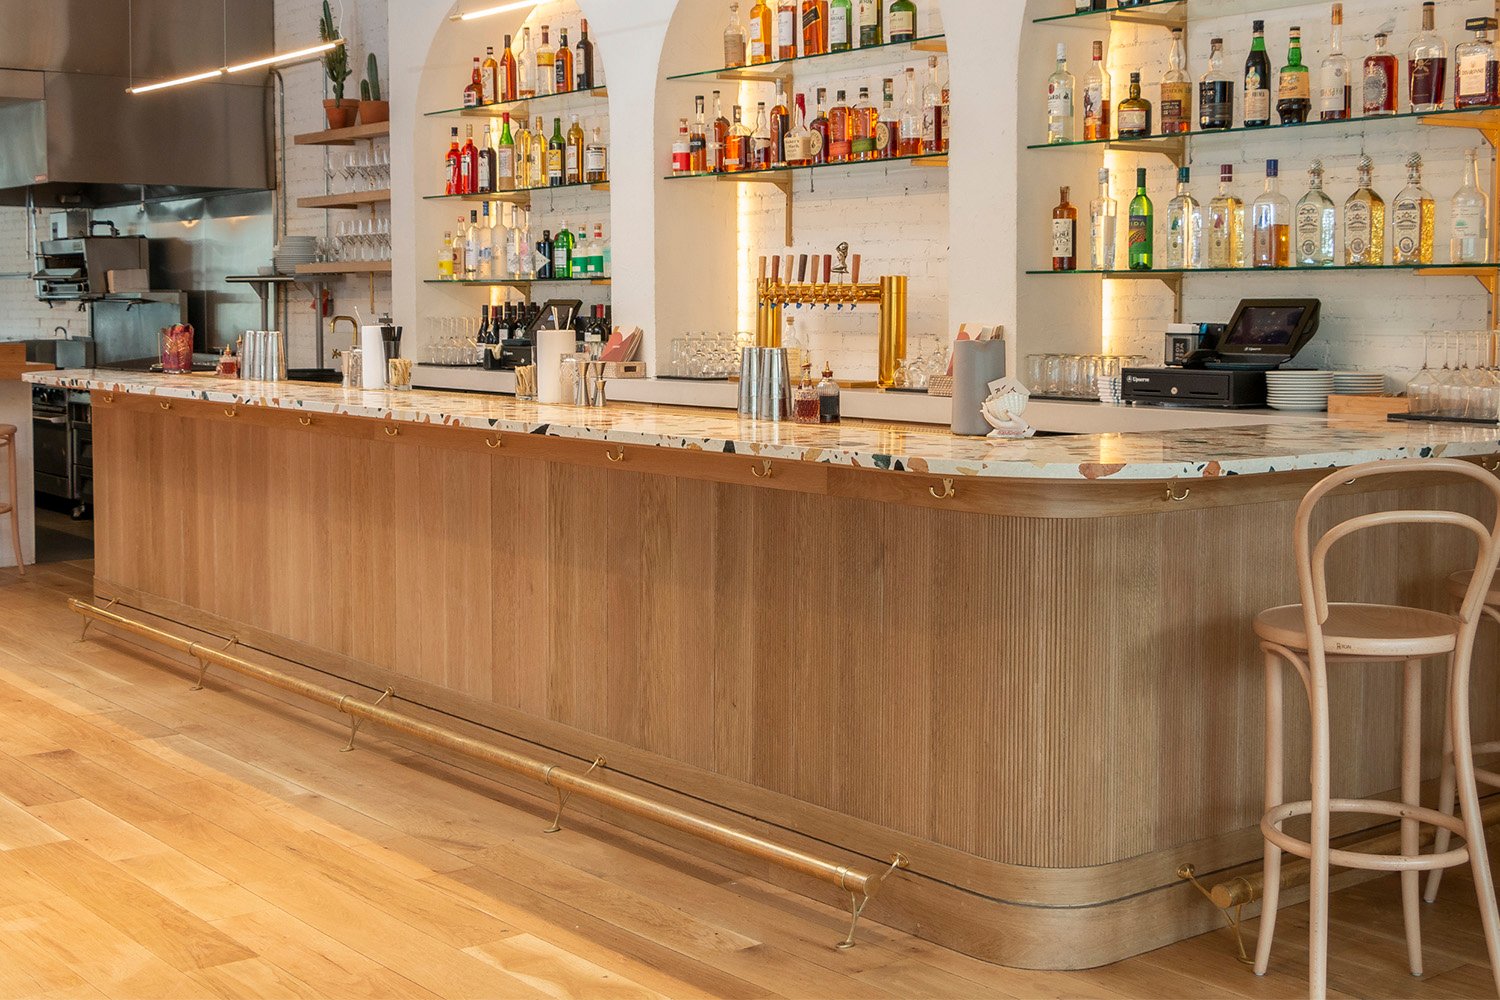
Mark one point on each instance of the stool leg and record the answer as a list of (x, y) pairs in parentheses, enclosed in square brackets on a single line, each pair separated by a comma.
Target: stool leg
[(1468, 797), (1271, 891), (15, 510), (1411, 794), (1447, 791), (1317, 943)]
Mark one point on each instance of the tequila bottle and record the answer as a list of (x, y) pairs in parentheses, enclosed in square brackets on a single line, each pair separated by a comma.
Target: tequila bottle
[(1413, 218), (1104, 222), (1427, 65), (1271, 223), (1226, 224), (734, 39), (1317, 222), (1141, 255), (1096, 98), (1176, 104), (1060, 111), (1469, 216), (1335, 94), (1184, 226), (1294, 86), (1478, 81), (1216, 92), (1364, 221)]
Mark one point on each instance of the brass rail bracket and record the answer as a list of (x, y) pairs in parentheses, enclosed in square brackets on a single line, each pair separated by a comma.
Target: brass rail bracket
[(562, 796), (89, 621), (857, 901), (355, 722), (203, 663), (1236, 922)]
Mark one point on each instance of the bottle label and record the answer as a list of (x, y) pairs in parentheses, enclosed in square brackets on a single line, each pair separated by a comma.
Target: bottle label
[(759, 45), (838, 27), (485, 181), (1176, 106), (1140, 232), (1102, 241), (885, 138), (1473, 75), (682, 157), (1357, 229), (1309, 232), (593, 160), (1216, 104), (559, 261), (786, 28), (794, 147), (814, 142), (1333, 89), (901, 22), (1377, 89), (1059, 100), (507, 163), (554, 163), (811, 16), (471, 97), (1221, 238), (1093, 106), (1257, 105), (1176, 239), (1294, 87), (863, 145), (487, 81), (1132, 120), (1406, 225), (1468, 234), (869, 22), (1426, 82)]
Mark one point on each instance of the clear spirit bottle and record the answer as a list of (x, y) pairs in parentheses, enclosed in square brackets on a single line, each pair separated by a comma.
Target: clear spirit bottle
[(734, 39), (1141, 256), (1104, 223), (1469, 216), (1317, 222), (1478, 81), (1175, 107), (1226, 227), (911, 118), (1413, 218), (1184, 226), (1216, 92), (1271, 223), (1335, 91), (1364, 221), (1096, 98), (1060, 108), (1427, 65)]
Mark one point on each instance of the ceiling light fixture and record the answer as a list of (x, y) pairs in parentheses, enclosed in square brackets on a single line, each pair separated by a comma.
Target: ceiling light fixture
[(282, 57), (487, 11)]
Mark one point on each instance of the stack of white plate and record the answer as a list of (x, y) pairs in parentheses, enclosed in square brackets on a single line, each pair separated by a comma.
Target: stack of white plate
[(1359, 383), (294, 250), (1303, 391)]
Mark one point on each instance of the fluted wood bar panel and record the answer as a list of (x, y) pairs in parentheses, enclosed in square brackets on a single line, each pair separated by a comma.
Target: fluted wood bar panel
[(1047, 711)]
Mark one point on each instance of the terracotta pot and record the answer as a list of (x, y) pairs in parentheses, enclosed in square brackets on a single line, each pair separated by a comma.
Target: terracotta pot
[(341, 114), (371, 112)]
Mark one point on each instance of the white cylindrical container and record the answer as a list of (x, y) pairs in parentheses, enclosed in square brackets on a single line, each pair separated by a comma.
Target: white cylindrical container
[(372, 346), (551, 347)]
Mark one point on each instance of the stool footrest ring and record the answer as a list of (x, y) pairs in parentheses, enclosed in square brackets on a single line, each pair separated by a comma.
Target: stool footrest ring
[(1357, 859)]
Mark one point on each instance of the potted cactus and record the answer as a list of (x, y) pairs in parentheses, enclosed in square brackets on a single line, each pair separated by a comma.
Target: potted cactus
[(371, 107), (341, 113)]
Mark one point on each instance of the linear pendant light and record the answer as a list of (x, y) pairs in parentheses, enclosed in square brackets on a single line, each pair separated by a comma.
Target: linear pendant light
[(487, 11), (283, 57)]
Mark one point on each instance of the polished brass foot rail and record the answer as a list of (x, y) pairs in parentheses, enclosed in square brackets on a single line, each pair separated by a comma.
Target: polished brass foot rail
[(861, 886)]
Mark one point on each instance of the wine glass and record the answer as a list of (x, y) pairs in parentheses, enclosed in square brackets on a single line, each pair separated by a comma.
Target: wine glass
[(1422, 390)]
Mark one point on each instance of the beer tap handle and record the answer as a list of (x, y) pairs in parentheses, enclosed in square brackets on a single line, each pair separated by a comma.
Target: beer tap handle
[(802, 269), (854, 273), (775, 269)]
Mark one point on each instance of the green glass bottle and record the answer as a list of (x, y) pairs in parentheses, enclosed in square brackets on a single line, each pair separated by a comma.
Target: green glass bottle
[(841, 27), (562, 253), (1142, 225), (901, 21), (556, 153)]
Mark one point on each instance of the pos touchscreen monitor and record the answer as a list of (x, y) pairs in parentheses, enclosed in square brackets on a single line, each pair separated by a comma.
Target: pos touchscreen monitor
[(1265, 333)]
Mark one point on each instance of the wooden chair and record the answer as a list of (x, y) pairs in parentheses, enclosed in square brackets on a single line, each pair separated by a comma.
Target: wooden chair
[(1316, 633), (13, 506)]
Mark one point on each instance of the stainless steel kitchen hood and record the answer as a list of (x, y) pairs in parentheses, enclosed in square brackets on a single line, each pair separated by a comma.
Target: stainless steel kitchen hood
[(71, 135)]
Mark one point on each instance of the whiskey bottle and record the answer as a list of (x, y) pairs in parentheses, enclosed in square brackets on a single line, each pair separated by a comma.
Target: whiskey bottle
[(819, 127), (505, 157), (1184, 226), (781, 124), (1176, 89), (1257, 80), (761, 38), (1271, 223), (556, 156), (1226, 225), (1064, 234), (888, 132), (911, 118), (814, 27), (1135, 112), (719, 138), (546, 62), (1364, 221), (1293, 87), (799, 138), (840, 130), (1317, 222), (1478, 81), (840, 25), (1060, 110), (901, 22), (1334, 90), (489, 77), (1413, 218), (934, 121), (1096, 98), (760, 140), (1103, 226), (562, 65), (1216, 92), (734, 39), (1142, 226), (573, 155), (1379, 80), (786, 29), (596, 160), (1469, 218), (1427, 65), (584, 63), (871, 23), (697, 140), (525, 68), (737, 145), (508, 82), (474, 92)]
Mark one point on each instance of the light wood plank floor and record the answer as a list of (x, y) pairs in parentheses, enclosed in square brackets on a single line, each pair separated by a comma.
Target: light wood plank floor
[(160, 843)]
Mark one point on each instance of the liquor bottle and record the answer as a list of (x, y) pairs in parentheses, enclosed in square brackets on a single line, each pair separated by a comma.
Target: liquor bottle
[(499, 237), (840, 130), (556, 156), (720, 135), (1469, 215), (474, 92), (760, 140), (460, 250), (508, 82), (474, 243), (840, 25), (760, 33), (1135, 112), (888, 133), (1271, 224), (1184, 226), (540, 155), (1379, 83), (828, 397), (1427, 65), (1413, 218), (1294, 86), (1064, 234), (901, 21), (781, 124), (1060, 110), (601, 268), (786, 29), (800, 139), (468, 171), (1176, 89), (682, 149), (523, 154), (865, 121), (1216, 92), (737, 146), (505, 157), (1226, 226), (1142, 226), (932, 110), (525, 68), (1317, 222), (445, 257), (562, 253), (1478, 81), (871, 23), (1334, 84), (1096, 98), (814, 27), (1364, 221), (546, 62), (483, 336), (697, 140), (734, 39), (573, 155), (562, 65), (1104, 223), (453, 165), (544, 256), (489, 77), (485, 178), (819, 126), (583, 61), (596, 159), (1258, 80), (520, 255)]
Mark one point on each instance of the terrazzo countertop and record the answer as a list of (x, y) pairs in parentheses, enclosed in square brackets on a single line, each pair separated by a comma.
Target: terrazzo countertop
[(1327, 443)]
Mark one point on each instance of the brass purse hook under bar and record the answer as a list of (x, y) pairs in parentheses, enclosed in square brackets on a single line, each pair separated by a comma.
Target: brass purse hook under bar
[(355, 722), (857, 902), (562, 796), (1235, 922)]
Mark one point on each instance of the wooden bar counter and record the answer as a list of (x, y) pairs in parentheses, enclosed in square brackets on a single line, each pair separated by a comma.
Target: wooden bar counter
[(1026, 666)]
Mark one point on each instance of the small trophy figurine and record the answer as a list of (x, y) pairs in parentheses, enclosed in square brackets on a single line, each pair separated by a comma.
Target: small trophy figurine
[(842, 267)]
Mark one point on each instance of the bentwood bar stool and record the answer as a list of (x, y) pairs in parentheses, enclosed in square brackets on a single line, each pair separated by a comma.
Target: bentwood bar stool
[(1315, 634), (12, 507)]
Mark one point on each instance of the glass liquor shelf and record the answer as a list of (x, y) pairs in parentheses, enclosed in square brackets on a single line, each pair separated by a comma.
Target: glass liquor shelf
[(1453, 270), (1484, 118), (784, 174), (515, 282), (496, 110), (782, 69), (517, 196), (1169, 13)]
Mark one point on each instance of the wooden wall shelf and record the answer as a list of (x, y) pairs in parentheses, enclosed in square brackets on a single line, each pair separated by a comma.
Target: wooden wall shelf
[(350, 199), (344, 136), (346, 267)]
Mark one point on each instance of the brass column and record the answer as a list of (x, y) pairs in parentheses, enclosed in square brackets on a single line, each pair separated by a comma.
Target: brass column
[(892, 327)]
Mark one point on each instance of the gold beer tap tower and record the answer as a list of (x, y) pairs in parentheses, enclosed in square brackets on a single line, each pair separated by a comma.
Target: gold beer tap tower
[(839, 286)]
